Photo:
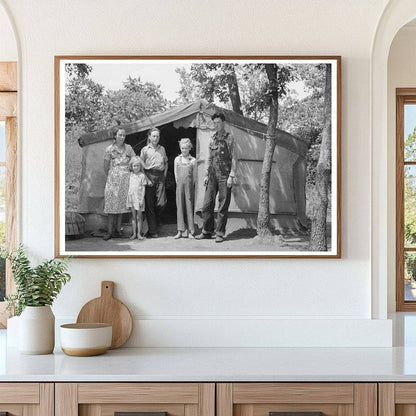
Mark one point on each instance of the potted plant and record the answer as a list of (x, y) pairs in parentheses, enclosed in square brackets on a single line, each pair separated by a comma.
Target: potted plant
[(36, 289)]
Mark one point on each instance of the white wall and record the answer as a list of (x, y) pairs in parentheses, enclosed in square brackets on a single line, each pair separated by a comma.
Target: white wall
[(401, 74), (179, 302), (8, 47)]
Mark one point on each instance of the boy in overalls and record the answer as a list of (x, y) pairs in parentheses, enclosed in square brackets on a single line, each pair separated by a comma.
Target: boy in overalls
[(219, 178)]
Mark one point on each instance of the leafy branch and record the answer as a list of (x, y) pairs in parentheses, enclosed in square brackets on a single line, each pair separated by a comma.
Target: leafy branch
[(35, 286)]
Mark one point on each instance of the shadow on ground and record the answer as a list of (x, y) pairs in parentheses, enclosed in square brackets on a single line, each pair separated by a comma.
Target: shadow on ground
[(239, 238)]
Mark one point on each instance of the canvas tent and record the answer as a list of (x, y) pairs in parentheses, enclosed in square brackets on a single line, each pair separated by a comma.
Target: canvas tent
[(287, 188)]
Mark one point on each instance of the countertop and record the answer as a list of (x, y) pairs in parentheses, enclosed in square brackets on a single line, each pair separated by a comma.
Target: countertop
[(212, 365)]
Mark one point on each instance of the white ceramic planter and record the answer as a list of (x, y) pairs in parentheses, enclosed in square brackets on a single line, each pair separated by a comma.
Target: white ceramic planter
[(37, 330), (13, 331)]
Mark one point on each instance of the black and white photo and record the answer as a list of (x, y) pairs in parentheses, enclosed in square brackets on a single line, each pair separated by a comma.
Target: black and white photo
[(198, 157)]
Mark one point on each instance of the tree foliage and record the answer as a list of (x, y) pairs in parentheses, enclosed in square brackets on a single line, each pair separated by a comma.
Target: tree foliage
[(253, 86), (190, 90), (242, 87), (90, 107), (410, 190), (2, 234), (136, 100), (84, 104), (410, 146), (77, 70), (2, 279), (214, 80), (2, 208), (304, 116), (410, 266), (409, 207)]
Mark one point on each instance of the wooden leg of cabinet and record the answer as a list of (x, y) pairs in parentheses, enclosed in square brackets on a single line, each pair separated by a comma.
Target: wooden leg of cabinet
[(224, 399), (386, 399), (207, 399), (66, 399), (365, 399), (47, 399)]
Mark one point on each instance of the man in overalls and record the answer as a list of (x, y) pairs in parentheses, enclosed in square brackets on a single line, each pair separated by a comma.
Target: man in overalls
[(219, 178)]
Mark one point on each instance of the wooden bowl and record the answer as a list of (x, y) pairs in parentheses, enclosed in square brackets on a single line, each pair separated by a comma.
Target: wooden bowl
[(84, 340)]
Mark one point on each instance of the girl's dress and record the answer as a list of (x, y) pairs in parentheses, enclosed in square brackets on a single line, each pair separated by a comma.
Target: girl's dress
[(185, 169), (117, 185), (137, 189)]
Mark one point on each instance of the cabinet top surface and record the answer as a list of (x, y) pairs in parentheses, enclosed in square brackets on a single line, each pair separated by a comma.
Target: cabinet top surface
[(213, 365)]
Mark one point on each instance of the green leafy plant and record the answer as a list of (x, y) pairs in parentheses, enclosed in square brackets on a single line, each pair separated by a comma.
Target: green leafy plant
[(35, 286)]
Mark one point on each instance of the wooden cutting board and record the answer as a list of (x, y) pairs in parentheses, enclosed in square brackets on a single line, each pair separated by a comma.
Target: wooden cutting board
[(107, 309)]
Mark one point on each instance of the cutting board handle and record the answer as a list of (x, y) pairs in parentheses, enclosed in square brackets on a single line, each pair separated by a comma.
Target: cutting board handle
[(107, 289)]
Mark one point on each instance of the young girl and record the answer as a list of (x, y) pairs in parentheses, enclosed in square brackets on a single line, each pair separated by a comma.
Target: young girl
[(135, 196), (185, 176)]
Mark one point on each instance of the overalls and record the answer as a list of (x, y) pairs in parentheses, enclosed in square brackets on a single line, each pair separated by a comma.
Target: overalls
[(185, 195), (217, 183)]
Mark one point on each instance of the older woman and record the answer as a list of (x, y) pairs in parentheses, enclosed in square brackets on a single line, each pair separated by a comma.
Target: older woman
[(116, 166)]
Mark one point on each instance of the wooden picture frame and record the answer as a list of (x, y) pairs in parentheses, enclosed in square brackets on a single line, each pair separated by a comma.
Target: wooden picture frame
[(299, 184)]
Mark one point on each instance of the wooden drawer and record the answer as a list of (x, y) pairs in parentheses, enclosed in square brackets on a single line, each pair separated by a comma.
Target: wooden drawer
[(104, 399), (27, 399), (332, 399)]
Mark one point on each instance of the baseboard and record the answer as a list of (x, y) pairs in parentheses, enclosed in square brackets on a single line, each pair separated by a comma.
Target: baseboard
[(148, 332)]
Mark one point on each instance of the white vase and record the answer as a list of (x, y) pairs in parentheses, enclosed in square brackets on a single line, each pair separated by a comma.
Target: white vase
[(13, 331), (37, 330)]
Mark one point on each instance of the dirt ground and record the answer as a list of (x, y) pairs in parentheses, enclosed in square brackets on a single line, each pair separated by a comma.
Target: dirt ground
[(238, 238)]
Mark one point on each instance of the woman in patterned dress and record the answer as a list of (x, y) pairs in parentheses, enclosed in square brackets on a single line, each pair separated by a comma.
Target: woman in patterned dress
[(116, 166)]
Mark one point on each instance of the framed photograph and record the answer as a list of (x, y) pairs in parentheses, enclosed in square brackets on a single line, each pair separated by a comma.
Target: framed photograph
[(186, 156)]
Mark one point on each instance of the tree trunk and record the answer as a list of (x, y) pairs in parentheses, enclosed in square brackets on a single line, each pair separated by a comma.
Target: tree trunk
[(233, 90), (318, 241), (263, 218)]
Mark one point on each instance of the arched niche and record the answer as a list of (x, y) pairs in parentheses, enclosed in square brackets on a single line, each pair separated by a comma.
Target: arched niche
[(396, 14), (401, 74)]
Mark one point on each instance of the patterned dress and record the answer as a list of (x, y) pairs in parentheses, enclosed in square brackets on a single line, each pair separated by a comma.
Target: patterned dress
[(137, 189), (117, 185)]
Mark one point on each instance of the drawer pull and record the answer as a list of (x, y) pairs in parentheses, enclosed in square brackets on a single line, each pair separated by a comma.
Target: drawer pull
[(296, 414), (139, 414)]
